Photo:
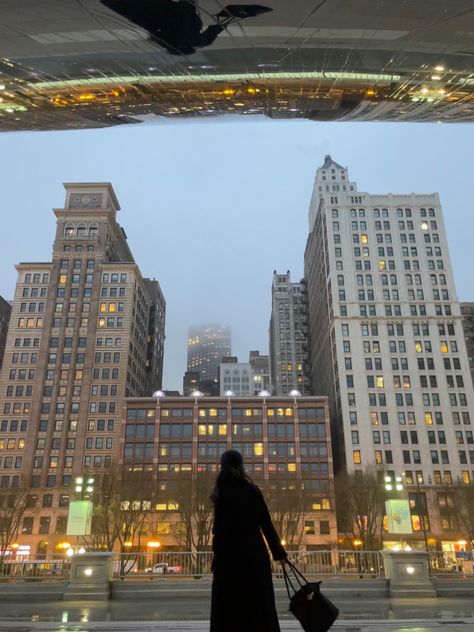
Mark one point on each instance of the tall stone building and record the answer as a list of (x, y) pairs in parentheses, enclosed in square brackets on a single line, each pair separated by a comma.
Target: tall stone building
[(207, 345), (5, 311), (86, 331), (289, 358), (467, 311), (387, 342)]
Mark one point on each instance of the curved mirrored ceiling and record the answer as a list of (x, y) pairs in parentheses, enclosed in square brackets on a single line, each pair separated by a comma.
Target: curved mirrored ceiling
[(72, 64)]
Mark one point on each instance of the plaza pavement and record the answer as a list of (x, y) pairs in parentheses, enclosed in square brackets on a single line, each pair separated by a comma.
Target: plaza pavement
[(160, 615), (203, 626)]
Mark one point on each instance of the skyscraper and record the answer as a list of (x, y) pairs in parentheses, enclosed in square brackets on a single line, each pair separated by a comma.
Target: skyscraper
[(289, 366), (5, 311), (207, 345), (467, 311), (86, 331), (387, 343)]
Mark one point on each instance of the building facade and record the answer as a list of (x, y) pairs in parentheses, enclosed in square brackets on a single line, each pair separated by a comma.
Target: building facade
[(87, 330), (285, 443), (207, 345), (289, 357), (5, 311), (235, 378), (260, 367), (467, 311), (245, 378), (387, 343)]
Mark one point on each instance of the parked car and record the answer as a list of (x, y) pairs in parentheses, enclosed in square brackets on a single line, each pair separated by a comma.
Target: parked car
[(163, 568)]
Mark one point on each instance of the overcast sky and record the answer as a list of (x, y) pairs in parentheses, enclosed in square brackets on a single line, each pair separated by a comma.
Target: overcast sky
[(211, 209)]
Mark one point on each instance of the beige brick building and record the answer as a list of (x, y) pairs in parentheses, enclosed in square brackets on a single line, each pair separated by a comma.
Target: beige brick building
[(86, 331)]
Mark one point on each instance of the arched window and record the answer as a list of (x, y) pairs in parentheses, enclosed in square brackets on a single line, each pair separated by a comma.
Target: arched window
[(81, 230), (69, 230), (93, 229)]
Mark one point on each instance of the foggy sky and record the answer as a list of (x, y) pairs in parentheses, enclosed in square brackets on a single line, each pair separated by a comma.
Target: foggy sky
[(211, 209)]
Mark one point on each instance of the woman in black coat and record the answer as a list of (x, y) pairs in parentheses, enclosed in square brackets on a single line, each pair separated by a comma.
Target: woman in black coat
[(242, 590)]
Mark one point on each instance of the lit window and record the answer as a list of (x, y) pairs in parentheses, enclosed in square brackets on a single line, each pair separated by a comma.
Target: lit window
[(102, 322), (428, 418), (356, 457), (418, 347), (201, 429), (212, 412), (291, 467), (223, 429), (378, 457), (364, 239), (62, 279), (112, 307), (103, 307), (374, 418), (382, 265), (380, 381), (424, 225), (444, 346), (258, 449)]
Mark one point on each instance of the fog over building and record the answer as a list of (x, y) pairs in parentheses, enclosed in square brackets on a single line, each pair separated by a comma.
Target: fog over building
[(87, 330), (207, 345), (387, 341)]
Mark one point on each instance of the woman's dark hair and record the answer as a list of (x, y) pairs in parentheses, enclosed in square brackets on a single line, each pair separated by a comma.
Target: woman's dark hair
[(232, 470)]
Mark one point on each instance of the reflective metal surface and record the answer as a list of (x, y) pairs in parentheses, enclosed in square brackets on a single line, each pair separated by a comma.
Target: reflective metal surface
[(69, 64)]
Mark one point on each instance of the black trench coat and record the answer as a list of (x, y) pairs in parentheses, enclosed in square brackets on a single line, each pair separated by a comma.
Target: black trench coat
[(242, 590)]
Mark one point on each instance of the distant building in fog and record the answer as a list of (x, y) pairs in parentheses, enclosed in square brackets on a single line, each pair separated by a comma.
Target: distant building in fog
[(207, 345)]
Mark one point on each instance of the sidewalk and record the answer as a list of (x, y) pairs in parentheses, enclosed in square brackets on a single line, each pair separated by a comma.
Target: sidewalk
[(464, 625)]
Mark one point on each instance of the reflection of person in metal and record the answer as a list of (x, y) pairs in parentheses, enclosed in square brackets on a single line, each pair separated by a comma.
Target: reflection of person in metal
[(176, 25)]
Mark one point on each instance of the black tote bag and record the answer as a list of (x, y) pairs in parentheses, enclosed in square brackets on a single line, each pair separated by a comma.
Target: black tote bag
[(312, 609)]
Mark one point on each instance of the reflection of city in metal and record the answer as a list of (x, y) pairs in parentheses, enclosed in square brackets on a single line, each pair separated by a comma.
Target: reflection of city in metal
[(85, 66)]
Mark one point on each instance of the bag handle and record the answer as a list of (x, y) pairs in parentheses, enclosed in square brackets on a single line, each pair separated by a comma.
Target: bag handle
[(297, 574), (288, 583)]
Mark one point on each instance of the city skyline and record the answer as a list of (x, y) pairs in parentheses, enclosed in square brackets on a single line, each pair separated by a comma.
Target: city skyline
[(236, 287)]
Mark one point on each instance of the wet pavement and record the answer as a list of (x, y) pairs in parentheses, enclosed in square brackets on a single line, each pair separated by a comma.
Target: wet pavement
[(428, 615)]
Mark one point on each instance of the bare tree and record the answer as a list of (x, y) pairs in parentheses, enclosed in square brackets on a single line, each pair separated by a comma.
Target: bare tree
[(288, 507), (360, 507), (464, 498), (122, 505), (13, 502), (194, 508)]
